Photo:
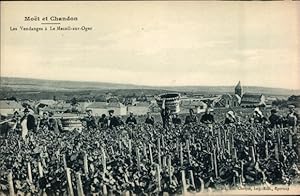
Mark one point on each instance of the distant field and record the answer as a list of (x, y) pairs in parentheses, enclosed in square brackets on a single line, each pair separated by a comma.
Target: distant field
[(42, 89)]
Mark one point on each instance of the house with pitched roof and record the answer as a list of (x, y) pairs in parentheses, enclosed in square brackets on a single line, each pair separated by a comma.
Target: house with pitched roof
[(247, 99), (100, 108), (191, 103), (139, 108), (253, 100), (228, 100), (8, 107)]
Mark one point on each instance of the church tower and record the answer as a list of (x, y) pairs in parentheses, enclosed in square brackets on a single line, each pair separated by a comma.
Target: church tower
[(238, 89)]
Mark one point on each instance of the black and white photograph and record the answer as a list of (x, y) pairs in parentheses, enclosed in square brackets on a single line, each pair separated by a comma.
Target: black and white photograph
[(150, 98)]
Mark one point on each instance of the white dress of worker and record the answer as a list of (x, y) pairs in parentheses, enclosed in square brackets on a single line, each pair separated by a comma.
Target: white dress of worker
[(24, 128)]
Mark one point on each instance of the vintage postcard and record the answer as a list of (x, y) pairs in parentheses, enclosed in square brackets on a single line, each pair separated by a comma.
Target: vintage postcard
[(150, 98)]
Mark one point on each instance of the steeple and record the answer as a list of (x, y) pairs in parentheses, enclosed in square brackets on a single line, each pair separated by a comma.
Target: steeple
[(238, 89)]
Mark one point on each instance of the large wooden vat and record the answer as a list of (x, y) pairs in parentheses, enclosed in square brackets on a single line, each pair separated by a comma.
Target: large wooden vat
[(172, 101), (71, 124)]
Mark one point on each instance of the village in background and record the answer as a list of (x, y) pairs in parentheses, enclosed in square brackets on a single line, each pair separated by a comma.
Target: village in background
[(138, 101)]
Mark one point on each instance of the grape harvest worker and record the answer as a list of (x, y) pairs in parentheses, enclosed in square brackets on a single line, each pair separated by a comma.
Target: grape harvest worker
[(230, 118), (131, 119), (44, 122), (4, 127), (90, 120), (258, 116), (207, 118), (103, 121), (27, 123), (176, 120), (191, 118), (165, 115), (27, 106), (149, 120), (112, 120), (292, 117), (275, 119), (53, 123), (16, 120), (120, 121)]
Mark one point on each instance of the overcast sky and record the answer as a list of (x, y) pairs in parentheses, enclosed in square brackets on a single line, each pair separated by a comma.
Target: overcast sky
[(157, 43)]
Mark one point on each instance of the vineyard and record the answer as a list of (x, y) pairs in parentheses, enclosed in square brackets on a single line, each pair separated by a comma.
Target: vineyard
[(143, 159)]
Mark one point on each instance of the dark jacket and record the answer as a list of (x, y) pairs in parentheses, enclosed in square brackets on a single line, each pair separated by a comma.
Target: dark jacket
[(131, 120), (103, 121), (292, 119), (190, 119), (207, 118), (113, 122), (165, 118), (44, 123), (229, 120), (150, 120), (275, 119), (176, 121), (90, 122), (4, 128), (30, 122), (259, 119)]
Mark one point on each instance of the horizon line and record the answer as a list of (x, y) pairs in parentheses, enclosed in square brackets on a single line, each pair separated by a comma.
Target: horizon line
[(144, 85)]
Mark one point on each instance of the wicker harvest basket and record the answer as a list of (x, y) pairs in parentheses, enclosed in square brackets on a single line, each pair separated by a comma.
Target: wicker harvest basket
[(172, 101)]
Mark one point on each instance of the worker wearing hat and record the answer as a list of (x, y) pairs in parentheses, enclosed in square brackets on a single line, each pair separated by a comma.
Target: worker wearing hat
[(292, 117), (165, 115), (176, 120), (53, 123), (191, 118), (150, 119), (103, 121), (207, 118), (16, 120), (230, 117), (27, 123), (258, 116), (44, 122), (275, 119), (4, 126), (131, 120), (90, 120), (112, 120)]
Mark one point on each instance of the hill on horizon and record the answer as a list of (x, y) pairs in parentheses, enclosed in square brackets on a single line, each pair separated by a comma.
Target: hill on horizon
[(28, 84)]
